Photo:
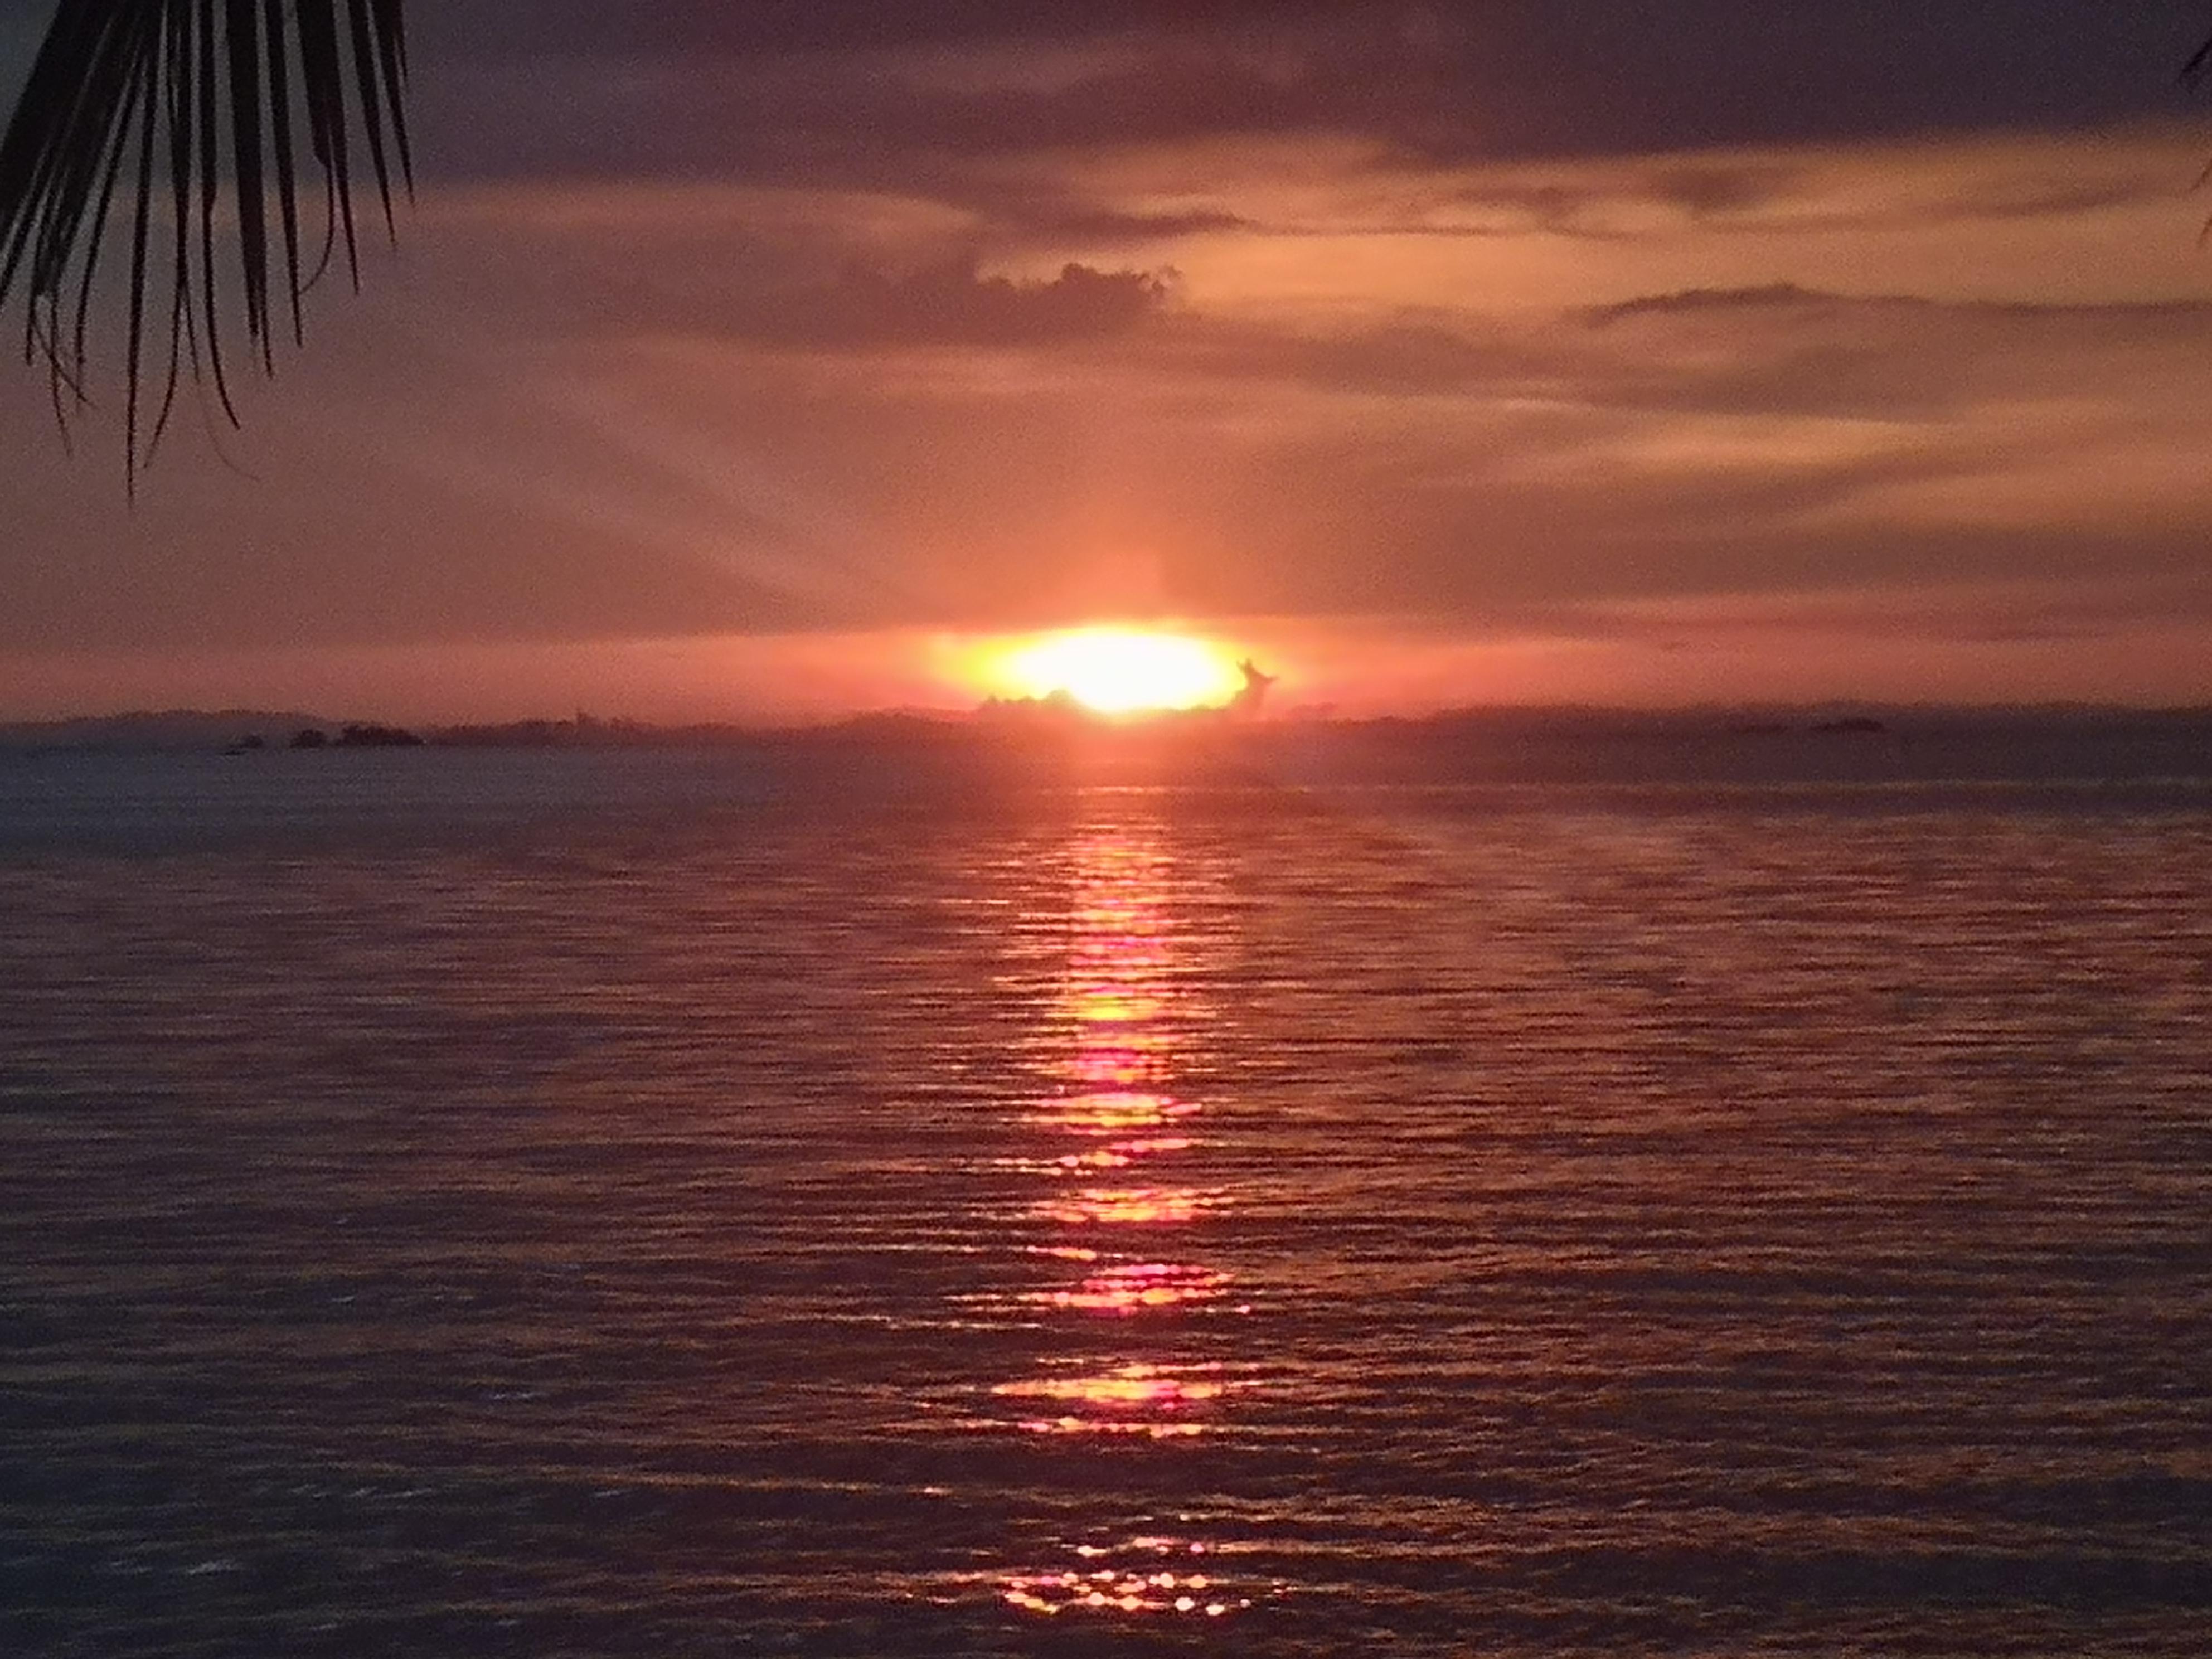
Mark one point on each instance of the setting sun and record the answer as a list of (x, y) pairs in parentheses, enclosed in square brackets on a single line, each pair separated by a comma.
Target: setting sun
[(1117, 670)]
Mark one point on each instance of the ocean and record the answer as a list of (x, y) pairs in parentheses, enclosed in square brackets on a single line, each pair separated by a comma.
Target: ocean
[(672, 1202)]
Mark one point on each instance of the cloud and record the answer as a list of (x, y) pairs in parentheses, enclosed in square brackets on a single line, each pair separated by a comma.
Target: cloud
[(1775, 195), (672, 86), (1784, 350), (1692, 302), (952, 304), (1043, 218), (1790, 298), (791, 268)]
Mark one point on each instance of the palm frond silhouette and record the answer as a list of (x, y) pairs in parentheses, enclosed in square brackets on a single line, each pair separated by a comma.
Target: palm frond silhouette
[(230, 134)]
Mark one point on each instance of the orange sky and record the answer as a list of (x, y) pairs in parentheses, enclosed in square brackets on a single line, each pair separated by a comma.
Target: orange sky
[(1425, 387)]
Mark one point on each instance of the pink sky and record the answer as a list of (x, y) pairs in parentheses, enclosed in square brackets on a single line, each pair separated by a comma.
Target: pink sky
[(1293, 329)]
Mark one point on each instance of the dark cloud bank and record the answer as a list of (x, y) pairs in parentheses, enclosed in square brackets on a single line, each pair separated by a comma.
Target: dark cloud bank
[(685, 85)]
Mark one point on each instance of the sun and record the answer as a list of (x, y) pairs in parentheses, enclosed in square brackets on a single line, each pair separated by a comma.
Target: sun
[(1118, 671)]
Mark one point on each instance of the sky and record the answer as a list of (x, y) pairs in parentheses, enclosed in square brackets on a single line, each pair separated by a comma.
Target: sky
[(742, 362)]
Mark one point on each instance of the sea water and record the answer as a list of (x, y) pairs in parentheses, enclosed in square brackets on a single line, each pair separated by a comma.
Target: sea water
[(668, 1204)]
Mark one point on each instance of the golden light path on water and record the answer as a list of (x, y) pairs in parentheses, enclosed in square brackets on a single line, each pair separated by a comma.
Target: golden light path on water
[(1125, 1225)]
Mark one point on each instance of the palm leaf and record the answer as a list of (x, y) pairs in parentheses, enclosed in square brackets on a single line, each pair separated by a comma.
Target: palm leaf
[(2199, 66), (188, 117)]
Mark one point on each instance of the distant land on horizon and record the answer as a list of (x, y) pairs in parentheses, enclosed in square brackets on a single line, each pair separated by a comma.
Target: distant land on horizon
[(195, 728), (1830, 743)]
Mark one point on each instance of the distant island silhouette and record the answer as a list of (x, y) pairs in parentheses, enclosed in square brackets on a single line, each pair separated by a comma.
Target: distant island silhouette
[(348, 736), (1033, 740)]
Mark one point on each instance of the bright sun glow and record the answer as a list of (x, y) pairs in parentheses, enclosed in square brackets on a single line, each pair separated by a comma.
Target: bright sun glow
[(1120, 671)]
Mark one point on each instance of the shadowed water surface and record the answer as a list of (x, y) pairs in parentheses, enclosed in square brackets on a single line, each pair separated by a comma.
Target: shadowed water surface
[(651, 1206)]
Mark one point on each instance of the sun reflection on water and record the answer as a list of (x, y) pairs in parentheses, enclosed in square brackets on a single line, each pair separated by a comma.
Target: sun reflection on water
[(1131, 1287), (1124, 1017), (1157, 1401), (1144, 1576), (1107, 1112), (1125, 1023), (1128, 1207)]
